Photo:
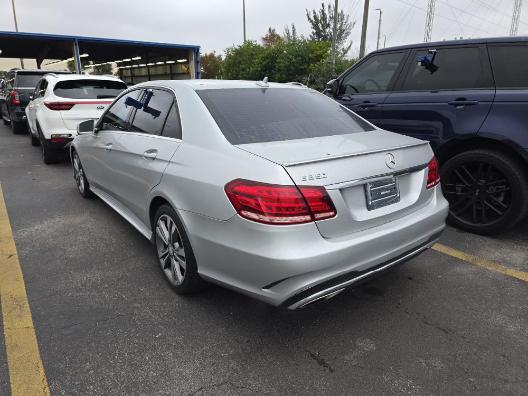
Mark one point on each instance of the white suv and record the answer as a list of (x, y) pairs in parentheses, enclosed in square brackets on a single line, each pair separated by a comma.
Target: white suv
[(60, 102)]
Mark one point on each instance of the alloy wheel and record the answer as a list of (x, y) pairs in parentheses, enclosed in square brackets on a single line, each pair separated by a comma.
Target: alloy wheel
[(478, 193), (78, 173), (171, 252)]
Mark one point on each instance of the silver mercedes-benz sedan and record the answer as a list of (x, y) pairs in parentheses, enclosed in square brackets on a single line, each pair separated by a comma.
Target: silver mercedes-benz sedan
[(273, 190)]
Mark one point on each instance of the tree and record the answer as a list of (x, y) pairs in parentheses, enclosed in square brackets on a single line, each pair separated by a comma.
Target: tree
[(271, 38), (322, 72), (322, 24), (212, 65), (282, 62), (290, 34)]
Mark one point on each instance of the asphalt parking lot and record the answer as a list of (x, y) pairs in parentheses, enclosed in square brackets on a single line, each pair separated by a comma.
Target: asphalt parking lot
[(106, 322)]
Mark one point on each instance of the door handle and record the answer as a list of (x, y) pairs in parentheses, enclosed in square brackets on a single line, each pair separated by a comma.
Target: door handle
[(462, 103), (366, 105), (150, 154), (108, 146)]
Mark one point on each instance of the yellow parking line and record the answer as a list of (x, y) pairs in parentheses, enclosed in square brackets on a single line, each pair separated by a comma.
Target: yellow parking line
[(489, 265), (26, 372)]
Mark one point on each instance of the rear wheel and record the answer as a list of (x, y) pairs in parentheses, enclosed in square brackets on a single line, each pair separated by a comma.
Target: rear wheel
[(80, 176), (18, 127), (49, 156), (175, 254), (487, 191), (34, 141)]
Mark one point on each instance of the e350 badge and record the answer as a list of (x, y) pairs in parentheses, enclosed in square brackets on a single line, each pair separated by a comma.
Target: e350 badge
[(315, 176)]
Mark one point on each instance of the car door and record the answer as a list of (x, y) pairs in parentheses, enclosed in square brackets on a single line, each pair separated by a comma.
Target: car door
[(449, 99), (38, 100), (140, 155), (96, 148), (365, 87)]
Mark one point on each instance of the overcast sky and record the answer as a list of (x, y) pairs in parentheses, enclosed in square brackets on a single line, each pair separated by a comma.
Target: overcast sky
[(217, 24)]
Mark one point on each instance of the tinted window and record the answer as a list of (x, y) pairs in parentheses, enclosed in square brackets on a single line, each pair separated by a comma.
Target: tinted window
[(172, 125), (509, 65), (254, 115), (89, 89), (150, 118), (456, 68), (117, 115), (27, 80), (373, 75)]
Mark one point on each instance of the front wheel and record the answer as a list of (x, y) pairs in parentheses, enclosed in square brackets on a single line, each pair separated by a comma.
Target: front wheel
[(487, 191), (174, 251), (80, 177)]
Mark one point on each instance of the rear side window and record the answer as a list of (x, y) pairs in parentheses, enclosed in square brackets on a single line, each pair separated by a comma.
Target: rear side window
[(509, 65), (27, 80), (255, 115), (89, 89), (172, 125), (373, 75), (151, 117), (456, 68)]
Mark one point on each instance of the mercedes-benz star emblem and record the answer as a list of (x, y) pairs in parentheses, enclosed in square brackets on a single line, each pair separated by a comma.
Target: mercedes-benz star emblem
[(390, 161)]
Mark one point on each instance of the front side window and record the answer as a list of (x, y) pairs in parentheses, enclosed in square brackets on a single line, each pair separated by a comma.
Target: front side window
[(151, 117), (255, 115), (509, 65), (454, 68), (88, 89), (373, 75), (116, 117)]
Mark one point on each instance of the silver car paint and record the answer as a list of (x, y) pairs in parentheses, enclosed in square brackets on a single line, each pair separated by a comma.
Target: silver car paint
[(247, 256)]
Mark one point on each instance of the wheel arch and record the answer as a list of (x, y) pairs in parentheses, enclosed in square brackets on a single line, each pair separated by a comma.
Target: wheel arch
[(456, 146)]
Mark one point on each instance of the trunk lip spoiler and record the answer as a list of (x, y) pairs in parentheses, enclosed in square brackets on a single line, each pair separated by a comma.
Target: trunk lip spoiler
[(332, 157), (350, 183)]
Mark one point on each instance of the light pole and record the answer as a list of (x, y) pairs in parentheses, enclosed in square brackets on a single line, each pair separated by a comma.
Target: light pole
[(334, 37), (364, 29), (244, 18), (16, 28), (379, 27)]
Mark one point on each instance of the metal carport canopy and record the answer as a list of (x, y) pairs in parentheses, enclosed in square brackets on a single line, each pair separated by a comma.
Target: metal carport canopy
[(40, 46)]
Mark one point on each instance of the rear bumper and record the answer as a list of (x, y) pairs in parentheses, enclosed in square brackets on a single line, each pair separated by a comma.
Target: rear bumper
[(58, 145), (18, 115), (294, 265)]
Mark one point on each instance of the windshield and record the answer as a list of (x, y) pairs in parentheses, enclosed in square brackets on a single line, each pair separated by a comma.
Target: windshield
[(28, 80), (89, 89), (256, 115)]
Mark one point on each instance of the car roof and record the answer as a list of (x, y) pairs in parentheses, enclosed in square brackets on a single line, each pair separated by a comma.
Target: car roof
[(218, 84), (487, 40)]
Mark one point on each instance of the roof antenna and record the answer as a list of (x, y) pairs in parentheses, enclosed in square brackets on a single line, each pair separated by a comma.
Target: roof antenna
[(263, 83)]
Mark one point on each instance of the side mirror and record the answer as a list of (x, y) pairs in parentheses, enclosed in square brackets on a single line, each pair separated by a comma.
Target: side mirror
[(87, 126), (332, 86)]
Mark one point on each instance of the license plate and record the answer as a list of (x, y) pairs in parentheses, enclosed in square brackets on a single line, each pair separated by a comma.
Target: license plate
[(382, 193)]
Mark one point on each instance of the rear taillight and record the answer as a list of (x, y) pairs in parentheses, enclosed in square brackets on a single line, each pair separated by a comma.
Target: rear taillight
[(59, 105), (433, 173), (277, 204), (15, 98)]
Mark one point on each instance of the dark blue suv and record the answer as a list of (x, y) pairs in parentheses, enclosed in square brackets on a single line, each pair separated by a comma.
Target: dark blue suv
[(469, 98)]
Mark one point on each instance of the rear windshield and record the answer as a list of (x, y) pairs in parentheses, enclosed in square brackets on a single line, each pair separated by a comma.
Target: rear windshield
[(28, 80), (256, 115), (89, 89)]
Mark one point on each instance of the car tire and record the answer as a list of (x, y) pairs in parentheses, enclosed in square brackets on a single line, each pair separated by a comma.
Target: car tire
[(174, 252), (34, 141), (48, 156), (80, 176), (18, 127), (487, 191)]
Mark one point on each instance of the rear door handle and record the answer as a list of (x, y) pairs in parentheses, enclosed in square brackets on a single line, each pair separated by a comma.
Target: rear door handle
[(366, 105), (150, 154), (461, 103), (108, 146)]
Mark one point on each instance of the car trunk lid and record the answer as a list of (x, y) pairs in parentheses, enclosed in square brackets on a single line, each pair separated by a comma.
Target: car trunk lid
[(356, 169), (82, 110)]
